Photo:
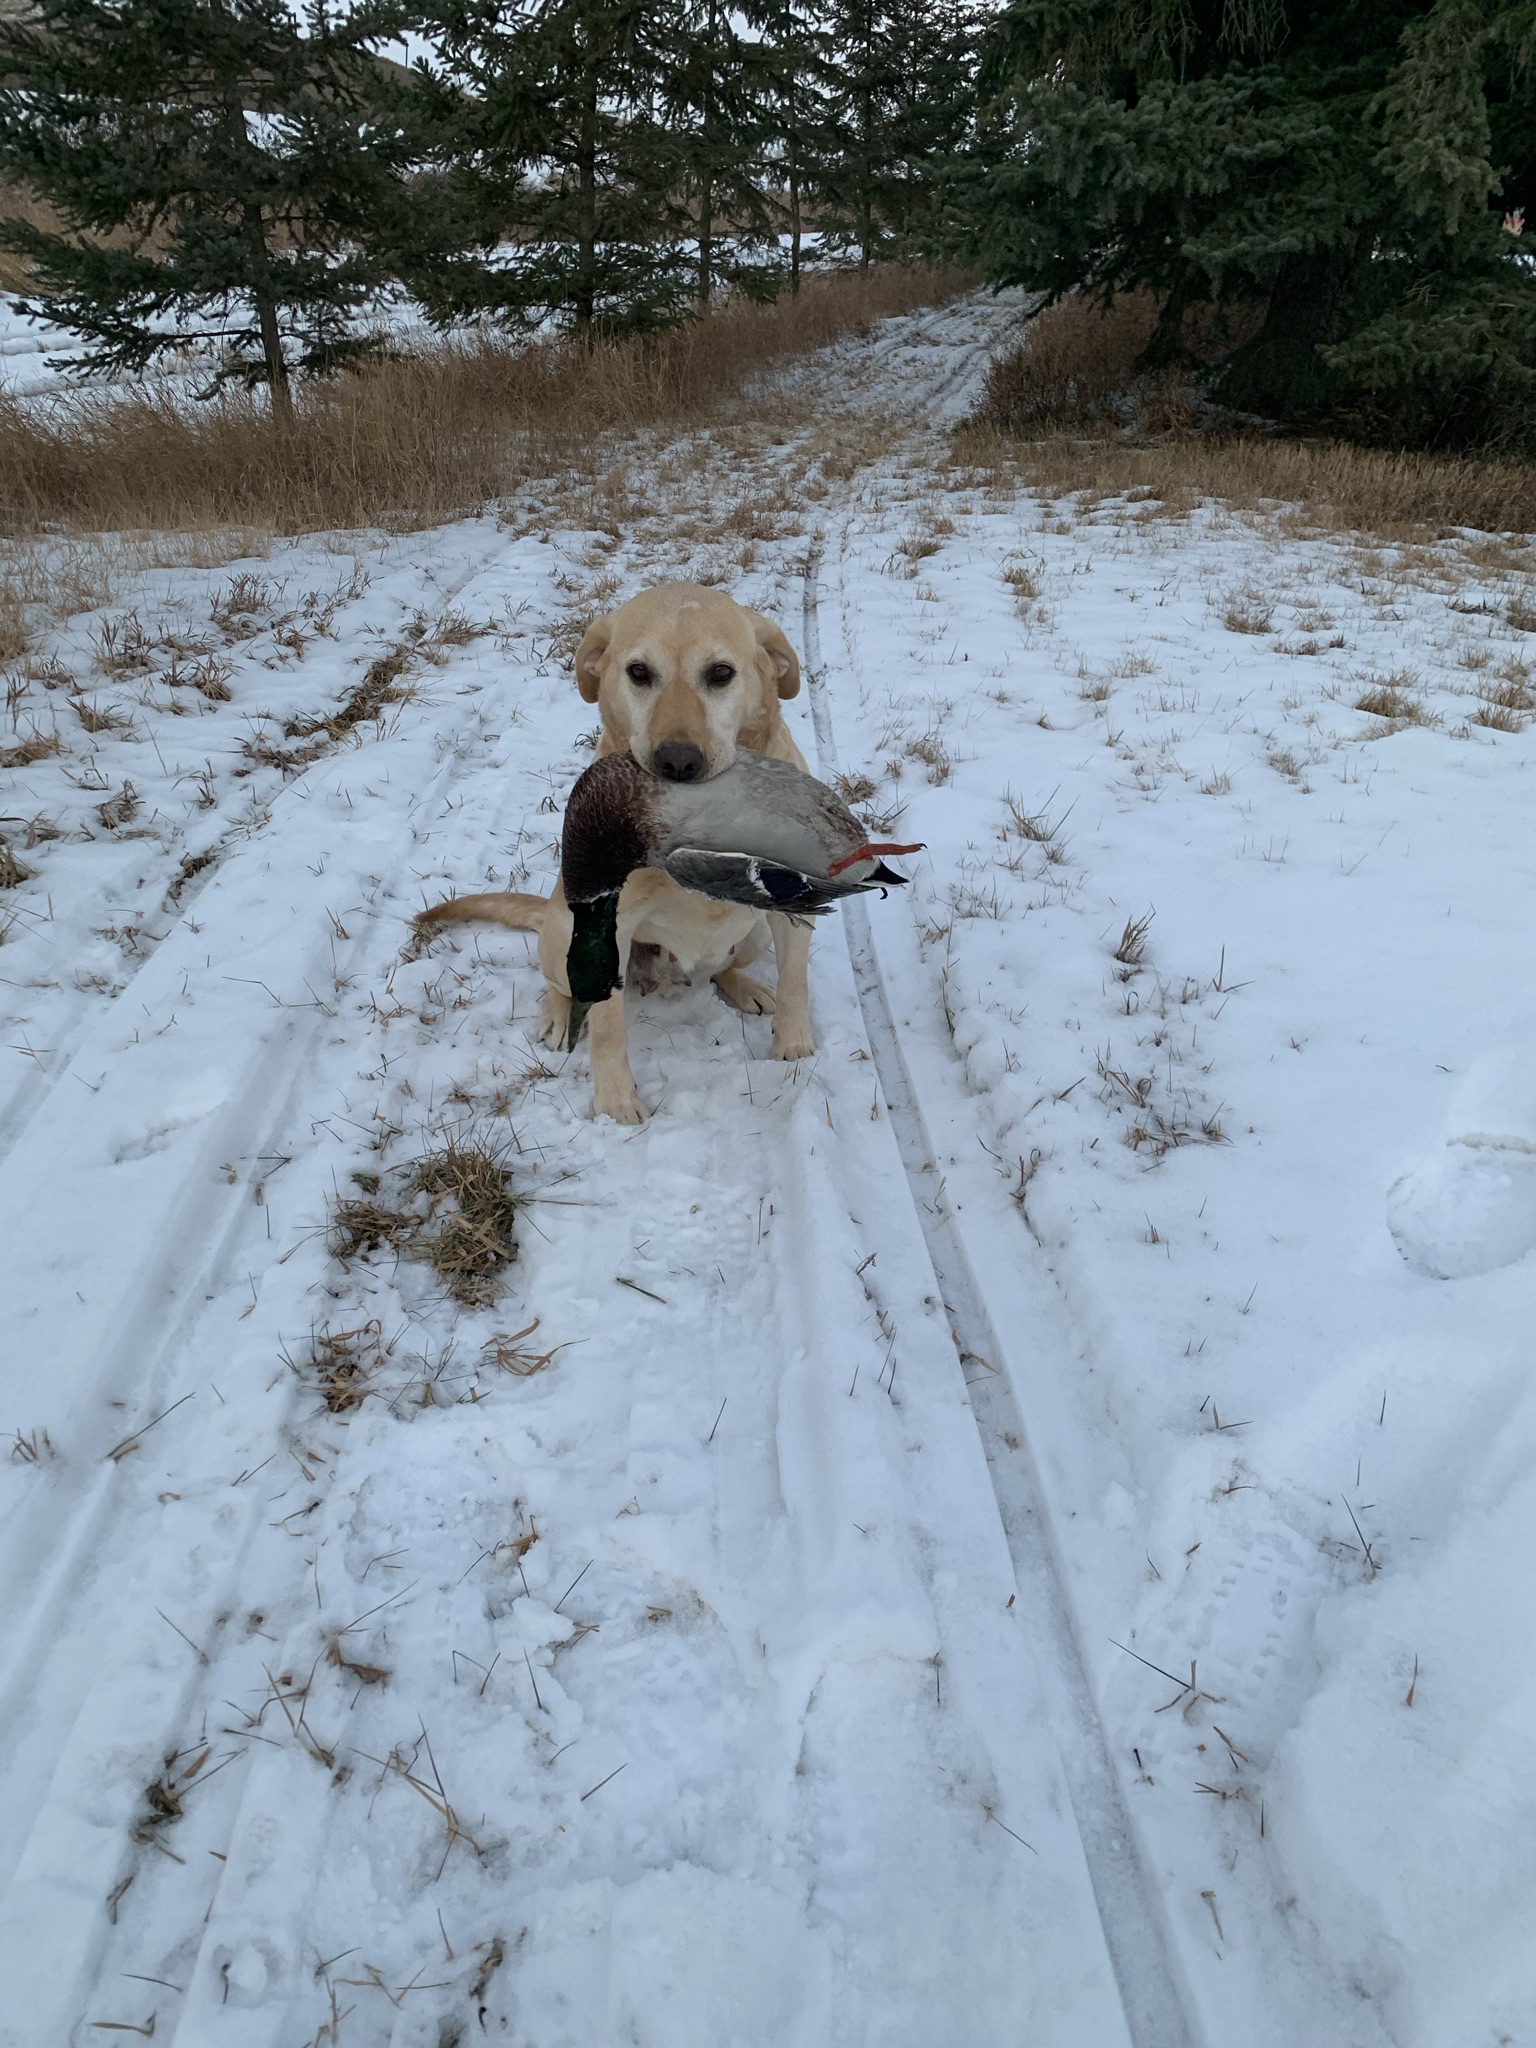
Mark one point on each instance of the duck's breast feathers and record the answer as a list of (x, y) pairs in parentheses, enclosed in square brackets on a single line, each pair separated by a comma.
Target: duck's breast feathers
[(764, 807), (611, 823)]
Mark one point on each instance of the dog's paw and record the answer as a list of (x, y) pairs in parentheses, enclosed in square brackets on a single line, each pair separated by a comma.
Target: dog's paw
[(623, 1105), (792, 1040), (743, 992), (556, 1020)]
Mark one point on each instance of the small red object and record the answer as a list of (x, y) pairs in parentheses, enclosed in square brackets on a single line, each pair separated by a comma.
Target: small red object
[(872, 852)]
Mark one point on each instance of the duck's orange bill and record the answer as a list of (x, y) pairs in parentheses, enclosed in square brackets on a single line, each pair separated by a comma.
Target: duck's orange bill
[(872, 852)]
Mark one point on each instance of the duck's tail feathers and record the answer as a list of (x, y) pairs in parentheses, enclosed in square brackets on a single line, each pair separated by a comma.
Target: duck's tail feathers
[(498, 906)]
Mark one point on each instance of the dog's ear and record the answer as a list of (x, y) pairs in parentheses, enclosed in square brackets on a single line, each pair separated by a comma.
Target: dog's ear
[(589, 658), (780, 656)]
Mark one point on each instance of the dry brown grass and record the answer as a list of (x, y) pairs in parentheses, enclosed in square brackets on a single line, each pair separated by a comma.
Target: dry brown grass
[(343, 1364), (1023, 579), (208, 675), (1066, 414), (37, 746), (1247, 611), (929, 749), (1394, 697), (1505, 699), (369, 700), (15, 637), (413, 442), (454, 1208), (1074, 365), (12, 873), (514, 1355), (1132, 949), (1328, 486), (1498, 718)]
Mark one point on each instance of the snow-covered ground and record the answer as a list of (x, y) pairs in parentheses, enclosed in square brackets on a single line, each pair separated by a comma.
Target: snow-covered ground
[(1022, 1538), (32, 354), (41, 360)]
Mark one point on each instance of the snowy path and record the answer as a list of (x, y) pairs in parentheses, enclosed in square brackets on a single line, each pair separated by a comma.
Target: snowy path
[(745, 1675), (1129, 1913)]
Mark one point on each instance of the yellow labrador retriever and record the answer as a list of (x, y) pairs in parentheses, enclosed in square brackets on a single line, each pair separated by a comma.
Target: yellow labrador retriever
[(682, 676)]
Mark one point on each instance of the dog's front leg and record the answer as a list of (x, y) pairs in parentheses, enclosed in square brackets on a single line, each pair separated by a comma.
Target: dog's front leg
[(613, 1082), (792, 1038)]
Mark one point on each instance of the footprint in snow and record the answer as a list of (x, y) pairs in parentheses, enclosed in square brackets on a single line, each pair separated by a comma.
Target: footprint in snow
[(1469, 1208)]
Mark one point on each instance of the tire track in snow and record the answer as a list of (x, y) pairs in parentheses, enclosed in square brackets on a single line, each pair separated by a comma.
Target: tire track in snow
[(1130, 1910), (73, 1609), (71, 1639), (28, 1097)]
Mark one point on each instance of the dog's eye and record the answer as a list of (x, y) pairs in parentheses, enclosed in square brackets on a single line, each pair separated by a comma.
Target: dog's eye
[(718, 674), (638, 672)]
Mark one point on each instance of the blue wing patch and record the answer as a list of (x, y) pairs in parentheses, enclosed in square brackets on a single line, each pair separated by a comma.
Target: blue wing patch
[(783, 884)]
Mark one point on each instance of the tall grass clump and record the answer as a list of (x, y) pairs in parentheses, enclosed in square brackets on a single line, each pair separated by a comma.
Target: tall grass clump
[(1073, 367)]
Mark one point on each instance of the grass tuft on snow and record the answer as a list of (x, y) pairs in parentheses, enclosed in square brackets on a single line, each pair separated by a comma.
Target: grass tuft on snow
[(454, 1208)]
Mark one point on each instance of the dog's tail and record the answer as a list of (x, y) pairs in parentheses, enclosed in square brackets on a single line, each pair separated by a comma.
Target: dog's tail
[(499, 906)]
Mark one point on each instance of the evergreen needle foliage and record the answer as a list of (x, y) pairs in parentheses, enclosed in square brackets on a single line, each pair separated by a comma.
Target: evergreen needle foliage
[(229, 173), (1343, 180), (637, 155), (720, 108), (240, 179), (902, 103), (561, 131)]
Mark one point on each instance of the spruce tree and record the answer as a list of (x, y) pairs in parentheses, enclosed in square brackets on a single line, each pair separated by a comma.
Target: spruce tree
[(229, 174), (1333, 176), (801, 146), (719, 102), (562, 128), (903, 103)]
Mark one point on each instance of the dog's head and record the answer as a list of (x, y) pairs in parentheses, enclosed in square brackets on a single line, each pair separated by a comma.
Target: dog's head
[(684, 676)]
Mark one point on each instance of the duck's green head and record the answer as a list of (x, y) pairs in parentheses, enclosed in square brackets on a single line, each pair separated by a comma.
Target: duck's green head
[(592, 959)]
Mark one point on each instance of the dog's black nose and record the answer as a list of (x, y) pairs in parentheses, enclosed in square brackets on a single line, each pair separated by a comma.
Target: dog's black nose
[(678, 761)]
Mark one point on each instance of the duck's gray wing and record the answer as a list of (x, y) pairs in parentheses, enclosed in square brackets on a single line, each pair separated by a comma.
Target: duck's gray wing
[(764, 884)]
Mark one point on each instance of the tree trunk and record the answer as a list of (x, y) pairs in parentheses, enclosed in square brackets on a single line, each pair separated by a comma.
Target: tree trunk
[(266, 320), (585, 295), (1279, 371), (707, 179), (277, 369), (866, 150), (1166, 347), (262, 296), (794, 225)]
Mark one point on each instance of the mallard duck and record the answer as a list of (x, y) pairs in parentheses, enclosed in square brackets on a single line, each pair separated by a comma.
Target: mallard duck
[(761, 832)]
